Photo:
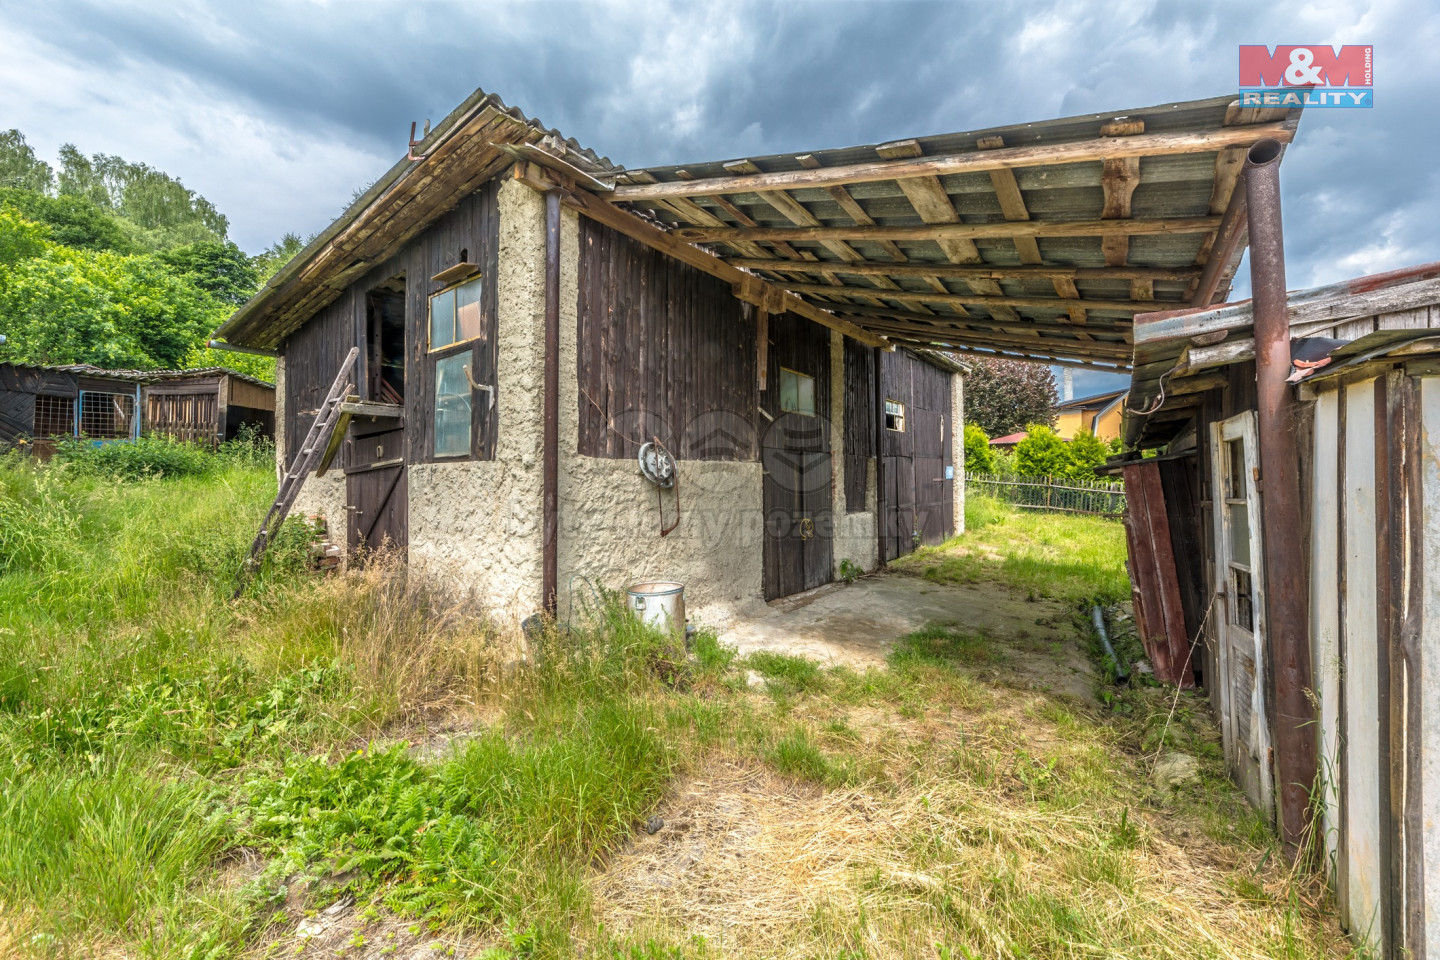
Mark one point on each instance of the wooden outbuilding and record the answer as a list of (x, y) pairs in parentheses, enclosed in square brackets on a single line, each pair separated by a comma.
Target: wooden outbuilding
[(1365, 377), (529, 320), (208, 405), (39, 404)]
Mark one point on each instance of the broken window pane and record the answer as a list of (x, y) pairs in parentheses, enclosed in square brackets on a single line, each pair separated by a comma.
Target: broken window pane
[(895, 416), (452, 406)]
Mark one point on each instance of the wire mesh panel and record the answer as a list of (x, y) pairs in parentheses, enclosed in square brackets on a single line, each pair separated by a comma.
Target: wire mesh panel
[(54, 416), (106, 416), (1061, 494)]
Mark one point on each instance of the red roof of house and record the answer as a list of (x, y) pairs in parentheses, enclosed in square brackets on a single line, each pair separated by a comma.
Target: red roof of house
[(1007, 441)]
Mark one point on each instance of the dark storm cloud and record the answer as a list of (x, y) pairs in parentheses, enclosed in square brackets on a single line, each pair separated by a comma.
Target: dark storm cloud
[(328, 91)]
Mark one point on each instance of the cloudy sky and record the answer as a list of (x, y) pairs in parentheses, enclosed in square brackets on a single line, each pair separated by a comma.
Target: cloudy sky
[(278, 112)]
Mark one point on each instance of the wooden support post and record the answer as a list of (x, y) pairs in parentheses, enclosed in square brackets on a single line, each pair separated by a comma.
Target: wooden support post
[(762, 346)]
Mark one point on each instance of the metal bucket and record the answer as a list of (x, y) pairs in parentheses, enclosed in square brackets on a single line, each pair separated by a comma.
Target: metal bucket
[(660, 603)]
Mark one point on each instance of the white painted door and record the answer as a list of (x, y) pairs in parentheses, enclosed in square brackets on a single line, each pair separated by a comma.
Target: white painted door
[(1241, 632)]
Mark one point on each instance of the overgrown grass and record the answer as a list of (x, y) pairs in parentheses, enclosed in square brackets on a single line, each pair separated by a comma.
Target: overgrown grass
[(155, 739), (1062, 556)]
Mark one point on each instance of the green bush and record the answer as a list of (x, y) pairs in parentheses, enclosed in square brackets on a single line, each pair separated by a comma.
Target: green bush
[(979, 455), (1086, 453), (1042, 453), (145, 458)]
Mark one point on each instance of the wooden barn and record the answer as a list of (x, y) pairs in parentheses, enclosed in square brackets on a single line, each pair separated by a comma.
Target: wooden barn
[(529, 320), (1360, 424), (41, 403), (207, 405)]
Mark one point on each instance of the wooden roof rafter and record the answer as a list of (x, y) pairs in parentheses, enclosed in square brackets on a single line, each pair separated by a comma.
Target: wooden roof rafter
[(902, 239)]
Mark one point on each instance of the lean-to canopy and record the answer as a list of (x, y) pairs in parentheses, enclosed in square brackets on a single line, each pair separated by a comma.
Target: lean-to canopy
[(1037, 241)]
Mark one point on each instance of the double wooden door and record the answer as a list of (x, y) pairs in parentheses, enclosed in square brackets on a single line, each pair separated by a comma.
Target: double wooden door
[(795, 457), (376, 498), (798, 546)]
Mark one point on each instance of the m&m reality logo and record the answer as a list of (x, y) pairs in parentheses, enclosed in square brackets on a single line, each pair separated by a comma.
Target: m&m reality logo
[(1307, 76)]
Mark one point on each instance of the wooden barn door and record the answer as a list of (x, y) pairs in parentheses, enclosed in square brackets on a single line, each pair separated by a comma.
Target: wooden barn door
[(916, 441), (376, 498), (1238, 571), (795, 458)]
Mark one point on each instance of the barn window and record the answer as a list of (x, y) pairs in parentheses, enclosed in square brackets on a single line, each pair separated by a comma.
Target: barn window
[(54, 416), (797, 392), (106, 416), (452, 406), (455, 315), (895, 416)]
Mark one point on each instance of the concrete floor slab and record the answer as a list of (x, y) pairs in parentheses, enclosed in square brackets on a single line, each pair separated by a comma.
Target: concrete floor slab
[(857, 624)]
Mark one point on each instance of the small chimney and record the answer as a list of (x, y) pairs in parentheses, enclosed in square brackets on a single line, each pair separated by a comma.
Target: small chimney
[(1067, 385)]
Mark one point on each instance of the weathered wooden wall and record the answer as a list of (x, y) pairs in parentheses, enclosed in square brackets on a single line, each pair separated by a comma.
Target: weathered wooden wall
[(664, 351), (18, 387), (314, 352), (187, 410), (859, 440), (918, 495)]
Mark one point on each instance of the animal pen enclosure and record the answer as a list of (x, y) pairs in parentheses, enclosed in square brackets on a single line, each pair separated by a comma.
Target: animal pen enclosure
[(40, 404)]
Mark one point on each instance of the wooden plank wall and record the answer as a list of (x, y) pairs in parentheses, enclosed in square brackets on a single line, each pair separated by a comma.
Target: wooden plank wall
[(1375, 555), (314, 352), (664, 351), (919, 497), (859, 438)]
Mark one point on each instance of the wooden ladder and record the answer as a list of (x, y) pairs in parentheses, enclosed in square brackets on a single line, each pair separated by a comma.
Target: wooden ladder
[(310, 452)]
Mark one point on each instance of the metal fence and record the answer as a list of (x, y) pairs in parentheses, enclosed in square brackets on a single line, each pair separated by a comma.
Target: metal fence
[(1103, 498)]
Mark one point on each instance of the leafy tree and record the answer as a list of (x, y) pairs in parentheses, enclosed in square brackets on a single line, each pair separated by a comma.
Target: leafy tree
[(220, 269), (19, 167), (1042, 453), (20, 239), (1086, 453), (979, 455), (282, 251), (162, 211), (78, 306), (73, 221), (1005, 396), (202, 356)]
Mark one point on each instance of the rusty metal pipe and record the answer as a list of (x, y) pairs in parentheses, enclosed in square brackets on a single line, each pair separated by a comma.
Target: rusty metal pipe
[(1287, 602), (550, 404)]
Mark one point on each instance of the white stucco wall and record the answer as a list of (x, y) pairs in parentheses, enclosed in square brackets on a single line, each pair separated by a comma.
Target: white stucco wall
[(477, 522), (856, 538), (609, 523)]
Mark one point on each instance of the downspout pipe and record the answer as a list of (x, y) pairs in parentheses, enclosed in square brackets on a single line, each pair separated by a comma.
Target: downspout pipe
[(1287, 621), (550, 438)]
